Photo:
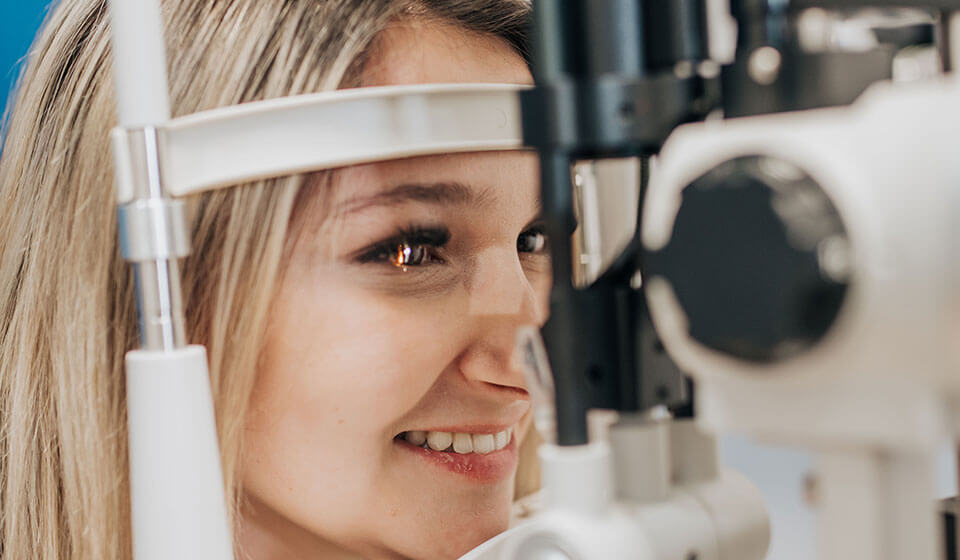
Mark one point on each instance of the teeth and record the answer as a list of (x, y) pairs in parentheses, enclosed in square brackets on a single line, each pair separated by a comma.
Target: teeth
[(501, 439), (439, 441), (416, 438), (483, 443), (460, 442)]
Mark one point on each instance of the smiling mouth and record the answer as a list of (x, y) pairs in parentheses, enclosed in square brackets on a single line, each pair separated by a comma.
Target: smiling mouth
[(457, 442)]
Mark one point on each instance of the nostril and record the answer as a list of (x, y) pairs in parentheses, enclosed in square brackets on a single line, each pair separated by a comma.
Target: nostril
[(518, 391)]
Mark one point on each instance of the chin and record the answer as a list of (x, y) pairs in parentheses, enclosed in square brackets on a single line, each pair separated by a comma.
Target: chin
[(446, 540), (457, 546)]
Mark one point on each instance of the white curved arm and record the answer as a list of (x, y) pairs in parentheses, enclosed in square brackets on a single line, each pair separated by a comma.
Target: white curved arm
[(289, 135)]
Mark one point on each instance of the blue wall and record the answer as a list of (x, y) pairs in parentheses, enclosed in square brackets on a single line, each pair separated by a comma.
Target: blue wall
[(19, 22)]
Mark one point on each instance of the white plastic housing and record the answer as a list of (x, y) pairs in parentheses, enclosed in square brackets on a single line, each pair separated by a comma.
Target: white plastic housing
[(176, 483), (578, 477), (722, 517), (874, 399), (886, 372)]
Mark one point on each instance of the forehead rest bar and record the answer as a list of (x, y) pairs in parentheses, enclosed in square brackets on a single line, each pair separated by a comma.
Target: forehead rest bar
[(263, 139)]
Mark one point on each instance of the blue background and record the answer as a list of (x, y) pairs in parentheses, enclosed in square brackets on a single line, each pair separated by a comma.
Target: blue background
[(19, 22)]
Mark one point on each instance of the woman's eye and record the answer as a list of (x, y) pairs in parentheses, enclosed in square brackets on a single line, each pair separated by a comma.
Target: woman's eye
[(409, 248), (532, 241)]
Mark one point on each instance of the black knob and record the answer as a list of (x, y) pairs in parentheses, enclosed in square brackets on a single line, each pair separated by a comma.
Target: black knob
[(758, 259)]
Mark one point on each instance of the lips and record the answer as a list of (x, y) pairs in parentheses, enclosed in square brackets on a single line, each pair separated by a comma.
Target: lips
[(493, 466), (484, 450)]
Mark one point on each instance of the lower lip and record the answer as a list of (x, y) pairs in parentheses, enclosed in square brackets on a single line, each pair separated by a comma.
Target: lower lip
[(491, 467)]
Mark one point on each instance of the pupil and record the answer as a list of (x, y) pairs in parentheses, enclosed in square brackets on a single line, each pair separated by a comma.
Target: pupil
[(530, 243), (409, 255)]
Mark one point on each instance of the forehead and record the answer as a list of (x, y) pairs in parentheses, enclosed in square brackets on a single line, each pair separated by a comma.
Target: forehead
[(427, 51), (420, 51), (495, 178)]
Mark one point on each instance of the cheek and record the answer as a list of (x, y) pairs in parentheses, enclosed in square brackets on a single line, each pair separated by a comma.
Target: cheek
[(340, 369), (342, 362)]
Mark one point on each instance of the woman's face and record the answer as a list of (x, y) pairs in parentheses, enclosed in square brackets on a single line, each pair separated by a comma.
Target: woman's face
[(396, 315)]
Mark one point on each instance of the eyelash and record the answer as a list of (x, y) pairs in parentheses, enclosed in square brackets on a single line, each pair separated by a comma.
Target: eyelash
[(409, 242)]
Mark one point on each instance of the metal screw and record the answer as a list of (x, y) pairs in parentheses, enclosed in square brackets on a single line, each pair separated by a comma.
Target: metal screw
[(764, 65), (684, 69), (708, 69)]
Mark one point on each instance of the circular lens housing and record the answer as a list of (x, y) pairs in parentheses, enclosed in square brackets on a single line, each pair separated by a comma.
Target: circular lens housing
[(759, 259)]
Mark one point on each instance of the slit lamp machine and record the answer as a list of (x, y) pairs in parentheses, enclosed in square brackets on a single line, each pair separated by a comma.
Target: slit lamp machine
[(793, 274)]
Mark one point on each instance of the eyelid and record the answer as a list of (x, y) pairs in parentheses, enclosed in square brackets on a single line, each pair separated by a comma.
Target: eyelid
[(538, 224), (535, 227), (540, 228)]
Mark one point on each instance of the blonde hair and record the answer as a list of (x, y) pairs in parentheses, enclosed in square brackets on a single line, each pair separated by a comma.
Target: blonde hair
[(67, 310)]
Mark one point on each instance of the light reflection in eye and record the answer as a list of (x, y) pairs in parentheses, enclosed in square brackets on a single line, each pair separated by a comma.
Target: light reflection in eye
[(403, 253), (533, 240), (408, 254)]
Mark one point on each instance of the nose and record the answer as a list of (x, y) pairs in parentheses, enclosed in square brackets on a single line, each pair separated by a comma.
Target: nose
[(502, 298)]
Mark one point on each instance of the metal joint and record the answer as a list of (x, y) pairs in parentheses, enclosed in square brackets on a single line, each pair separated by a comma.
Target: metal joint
[(153, 229)]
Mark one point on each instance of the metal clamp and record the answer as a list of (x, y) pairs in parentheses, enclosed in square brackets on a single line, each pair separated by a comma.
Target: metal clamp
[(153, 229)]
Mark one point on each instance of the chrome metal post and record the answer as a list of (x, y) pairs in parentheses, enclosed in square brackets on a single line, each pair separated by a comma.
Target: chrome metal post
[(153, 236)]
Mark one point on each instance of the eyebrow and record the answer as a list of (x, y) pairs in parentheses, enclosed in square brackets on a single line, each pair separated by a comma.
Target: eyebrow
[(442, 194)]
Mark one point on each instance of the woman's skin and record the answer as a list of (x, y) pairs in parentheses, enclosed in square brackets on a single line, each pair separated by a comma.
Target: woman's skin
[(397, 312)]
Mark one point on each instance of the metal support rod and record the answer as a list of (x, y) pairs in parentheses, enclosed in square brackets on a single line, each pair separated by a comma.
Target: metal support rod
[(563, 329), (153, 236), (944, 39), (159, 304)]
